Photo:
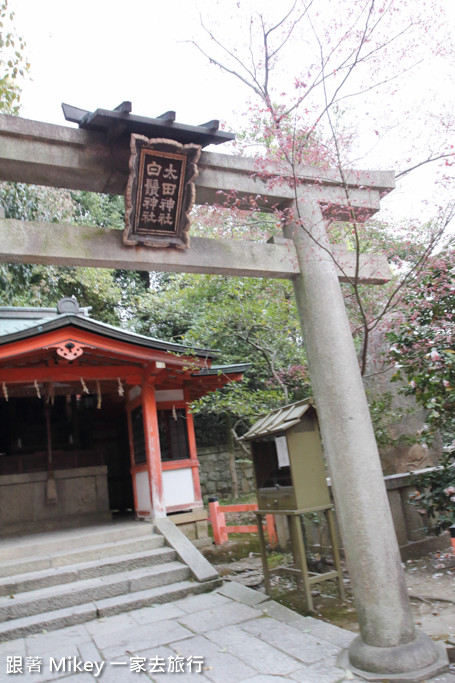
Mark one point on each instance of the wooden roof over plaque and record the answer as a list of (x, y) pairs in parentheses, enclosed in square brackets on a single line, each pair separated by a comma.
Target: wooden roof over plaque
[(160, 192)]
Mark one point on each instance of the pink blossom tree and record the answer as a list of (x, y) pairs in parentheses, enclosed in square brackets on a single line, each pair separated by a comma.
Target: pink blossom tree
[(329, 80)]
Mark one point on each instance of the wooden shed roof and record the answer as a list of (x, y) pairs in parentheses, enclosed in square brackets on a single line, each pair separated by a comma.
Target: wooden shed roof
[(279, 420)]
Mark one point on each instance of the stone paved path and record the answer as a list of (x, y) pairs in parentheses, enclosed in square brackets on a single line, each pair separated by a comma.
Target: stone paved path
[(231, 635)]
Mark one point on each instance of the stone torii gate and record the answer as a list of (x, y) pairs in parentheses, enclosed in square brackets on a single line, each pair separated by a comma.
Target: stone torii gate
[(389, 646)]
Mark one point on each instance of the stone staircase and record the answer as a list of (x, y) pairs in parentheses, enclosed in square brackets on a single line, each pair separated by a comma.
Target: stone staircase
[(57, 579)]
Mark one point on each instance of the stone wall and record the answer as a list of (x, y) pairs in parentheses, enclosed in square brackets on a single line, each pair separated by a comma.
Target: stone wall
[(82, 498), (412, 536), (410, 526), (215, 474)]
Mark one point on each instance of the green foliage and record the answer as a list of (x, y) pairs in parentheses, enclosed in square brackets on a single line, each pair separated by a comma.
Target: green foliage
[(240, 401), (435, 494), (35, 203), (248, 320), (423, 345), (13, 63), (44, 285), (164, 311), (104, 210), (107, 211), (26, 284), (106, 291)]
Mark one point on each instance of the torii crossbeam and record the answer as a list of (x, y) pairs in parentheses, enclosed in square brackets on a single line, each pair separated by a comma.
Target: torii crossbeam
[(58, 156)]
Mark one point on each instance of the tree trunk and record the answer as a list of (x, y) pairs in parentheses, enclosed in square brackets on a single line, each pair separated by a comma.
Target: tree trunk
[(231, 451)]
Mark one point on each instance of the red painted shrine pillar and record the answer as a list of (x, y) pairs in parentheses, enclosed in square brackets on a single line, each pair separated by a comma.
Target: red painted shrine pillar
[(193, 452), (152, 450), (145, 453)]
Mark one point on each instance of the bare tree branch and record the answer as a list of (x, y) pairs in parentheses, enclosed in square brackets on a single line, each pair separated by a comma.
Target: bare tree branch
[(428, 160)]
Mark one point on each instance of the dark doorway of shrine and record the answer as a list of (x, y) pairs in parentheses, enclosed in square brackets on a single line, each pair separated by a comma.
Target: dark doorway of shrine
[(86, 430)]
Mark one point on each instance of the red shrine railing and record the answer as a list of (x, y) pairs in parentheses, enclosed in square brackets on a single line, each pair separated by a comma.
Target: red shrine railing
[(217, 518)]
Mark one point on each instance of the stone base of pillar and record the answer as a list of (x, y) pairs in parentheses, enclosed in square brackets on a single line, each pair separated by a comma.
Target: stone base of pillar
[(412, 662)]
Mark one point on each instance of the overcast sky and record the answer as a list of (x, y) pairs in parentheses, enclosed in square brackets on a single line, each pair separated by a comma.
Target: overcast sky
[(97, 53)]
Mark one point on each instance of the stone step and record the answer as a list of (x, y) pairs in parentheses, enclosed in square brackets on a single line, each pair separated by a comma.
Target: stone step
[(78, 614), (50, 581), (154, 596), (78, 554), (99, 588), (47, 621), (53, 576), (49, 543)]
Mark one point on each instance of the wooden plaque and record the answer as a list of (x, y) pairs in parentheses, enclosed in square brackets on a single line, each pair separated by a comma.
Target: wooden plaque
[(160, 192)]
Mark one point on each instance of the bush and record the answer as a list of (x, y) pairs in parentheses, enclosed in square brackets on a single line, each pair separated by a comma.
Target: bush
[(435, 494)]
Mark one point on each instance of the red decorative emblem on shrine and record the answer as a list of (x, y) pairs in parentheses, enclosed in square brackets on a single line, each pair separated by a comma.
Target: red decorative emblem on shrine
[(69, 350), (160, 192)]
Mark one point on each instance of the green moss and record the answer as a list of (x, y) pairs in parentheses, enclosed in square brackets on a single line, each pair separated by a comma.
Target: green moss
[(327, 608), (238, 547)]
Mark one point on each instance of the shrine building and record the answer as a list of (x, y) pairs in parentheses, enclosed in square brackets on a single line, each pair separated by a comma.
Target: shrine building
[(95, 419)]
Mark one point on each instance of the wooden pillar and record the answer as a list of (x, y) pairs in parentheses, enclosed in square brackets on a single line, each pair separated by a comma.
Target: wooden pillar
[(193, 452), (152, 448)]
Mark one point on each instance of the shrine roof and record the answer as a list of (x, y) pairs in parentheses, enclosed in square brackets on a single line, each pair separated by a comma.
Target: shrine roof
[(15, 318), (12, 325), (19, 323)]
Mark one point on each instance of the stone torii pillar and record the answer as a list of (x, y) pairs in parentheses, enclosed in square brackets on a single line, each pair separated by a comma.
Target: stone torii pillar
[(389, 645)]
